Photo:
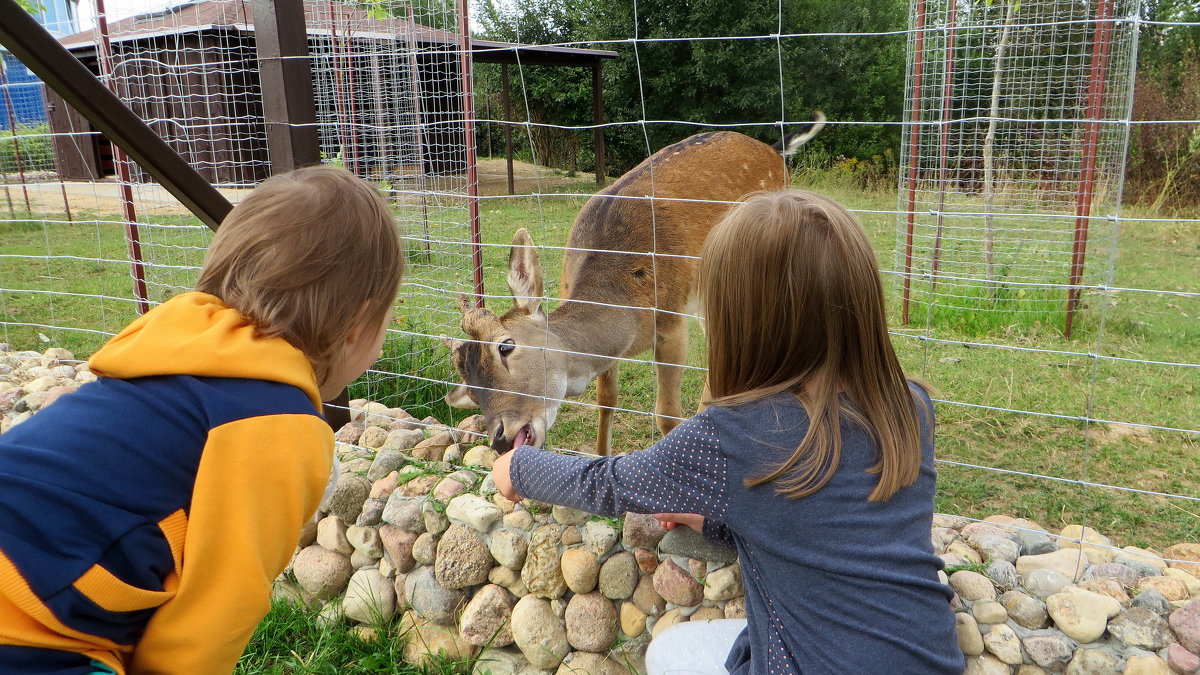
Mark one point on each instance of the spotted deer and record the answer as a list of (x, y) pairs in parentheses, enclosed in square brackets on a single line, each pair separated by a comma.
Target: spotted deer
[(619, 299)]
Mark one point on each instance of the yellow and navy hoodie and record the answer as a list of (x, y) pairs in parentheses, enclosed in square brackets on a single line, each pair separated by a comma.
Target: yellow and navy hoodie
[(144, 516)]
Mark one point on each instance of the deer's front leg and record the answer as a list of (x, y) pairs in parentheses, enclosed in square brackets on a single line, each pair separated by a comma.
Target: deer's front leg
[(670, 351), (606, 398)]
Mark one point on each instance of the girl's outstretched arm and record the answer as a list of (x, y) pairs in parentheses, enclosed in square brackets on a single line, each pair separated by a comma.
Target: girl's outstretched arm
[(685, 472)]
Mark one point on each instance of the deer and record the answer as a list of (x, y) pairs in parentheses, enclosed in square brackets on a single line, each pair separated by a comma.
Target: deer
[(628, 284)]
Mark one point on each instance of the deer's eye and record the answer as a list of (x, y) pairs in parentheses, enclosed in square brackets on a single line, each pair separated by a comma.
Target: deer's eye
[(507, 347)]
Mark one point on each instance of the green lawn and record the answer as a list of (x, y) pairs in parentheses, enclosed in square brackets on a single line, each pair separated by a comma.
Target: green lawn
[(1027, 370)]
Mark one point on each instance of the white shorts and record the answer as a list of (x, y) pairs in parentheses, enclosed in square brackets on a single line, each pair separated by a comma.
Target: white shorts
[(693, 648)]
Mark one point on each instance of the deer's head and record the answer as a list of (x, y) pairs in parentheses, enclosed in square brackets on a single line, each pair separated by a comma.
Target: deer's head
[(512, 366)]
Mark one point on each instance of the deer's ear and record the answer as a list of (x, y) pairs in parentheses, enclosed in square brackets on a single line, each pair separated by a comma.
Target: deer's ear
[(525, 274), (460, 397)]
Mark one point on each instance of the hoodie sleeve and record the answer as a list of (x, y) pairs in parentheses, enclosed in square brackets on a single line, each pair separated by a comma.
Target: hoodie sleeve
[(685, 472), (259, 480)]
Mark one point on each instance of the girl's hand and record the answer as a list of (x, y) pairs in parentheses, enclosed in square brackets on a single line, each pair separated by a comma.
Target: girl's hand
[(670, 520), (502, 479)]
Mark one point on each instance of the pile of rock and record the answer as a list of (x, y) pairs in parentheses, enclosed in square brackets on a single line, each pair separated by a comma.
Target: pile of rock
[(415, 527), (30, 381), (1029, 601)]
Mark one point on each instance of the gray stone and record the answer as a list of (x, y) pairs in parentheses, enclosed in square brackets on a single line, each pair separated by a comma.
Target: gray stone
[(372, 513), (429, 599), (598, 536), (433, 514), (495, 661), (473, 511), (404, 512), (1152, 600), (1026, 611), (1141, 628), (1035, 543), (386, 461), (370, 598), (1051, 652), (619, 576), (568, 516), (1003, 575), (1096, 661), (462, 558), (1123, 573), (995, 547), (348, 496), (1043, 583), (688, 543), (509, 547)]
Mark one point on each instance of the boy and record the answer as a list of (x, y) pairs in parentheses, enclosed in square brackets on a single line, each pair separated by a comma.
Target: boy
[(144, 517)]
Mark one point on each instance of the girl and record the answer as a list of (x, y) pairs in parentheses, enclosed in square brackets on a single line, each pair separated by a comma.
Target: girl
[(814, 459)]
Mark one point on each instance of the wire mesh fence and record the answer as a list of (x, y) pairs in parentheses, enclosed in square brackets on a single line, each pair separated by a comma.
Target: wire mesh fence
[(1019, 116)]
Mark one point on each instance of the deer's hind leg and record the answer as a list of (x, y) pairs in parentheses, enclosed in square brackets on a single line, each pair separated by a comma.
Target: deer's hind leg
[(606, 398), (670, 353)]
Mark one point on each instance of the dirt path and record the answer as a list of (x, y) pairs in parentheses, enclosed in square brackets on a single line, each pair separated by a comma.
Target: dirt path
[(88, 199)]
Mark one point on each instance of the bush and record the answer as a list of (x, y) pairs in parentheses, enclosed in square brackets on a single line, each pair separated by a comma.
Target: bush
[(33, 144)]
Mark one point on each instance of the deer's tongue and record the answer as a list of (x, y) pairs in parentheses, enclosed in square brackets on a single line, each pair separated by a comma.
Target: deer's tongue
[(522, 437)]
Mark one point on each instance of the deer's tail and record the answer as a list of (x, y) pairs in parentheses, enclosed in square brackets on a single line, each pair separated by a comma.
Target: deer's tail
[(792, 142)]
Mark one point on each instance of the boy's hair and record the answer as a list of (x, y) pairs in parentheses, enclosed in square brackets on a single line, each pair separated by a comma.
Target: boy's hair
[(302, 253), (793, 302)]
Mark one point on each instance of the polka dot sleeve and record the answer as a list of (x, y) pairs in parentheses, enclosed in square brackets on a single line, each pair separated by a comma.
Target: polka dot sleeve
[(685, 472)]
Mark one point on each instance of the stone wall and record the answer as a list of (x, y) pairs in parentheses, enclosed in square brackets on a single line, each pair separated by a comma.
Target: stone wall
[(415, 529)]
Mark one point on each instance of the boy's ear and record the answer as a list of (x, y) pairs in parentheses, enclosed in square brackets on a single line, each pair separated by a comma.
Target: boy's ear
[(358, 323)]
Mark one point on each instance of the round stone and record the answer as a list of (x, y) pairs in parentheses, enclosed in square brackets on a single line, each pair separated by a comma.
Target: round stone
[(462, 558), (972, 586), (619, 576), (591, 622), (580, 569), (538, 633)]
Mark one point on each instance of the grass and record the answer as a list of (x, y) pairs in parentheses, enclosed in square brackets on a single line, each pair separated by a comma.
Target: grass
[(1034, 369), (292, 640)]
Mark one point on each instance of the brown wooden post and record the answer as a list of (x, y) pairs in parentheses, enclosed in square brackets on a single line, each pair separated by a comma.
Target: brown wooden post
[(286, 79), (467, 91), (598, 120), (281, 40), (507, 127), (914, 134), (133, 240), (1098, 75)]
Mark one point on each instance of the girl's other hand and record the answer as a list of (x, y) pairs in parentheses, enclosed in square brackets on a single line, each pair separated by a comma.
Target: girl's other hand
[(502, 479), (670, 520)]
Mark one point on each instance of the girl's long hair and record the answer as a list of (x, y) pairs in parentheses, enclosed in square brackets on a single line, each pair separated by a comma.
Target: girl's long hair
[(793, 302)]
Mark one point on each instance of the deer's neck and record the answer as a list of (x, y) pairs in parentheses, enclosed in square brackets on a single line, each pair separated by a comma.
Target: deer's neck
[(594, 335)]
